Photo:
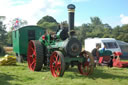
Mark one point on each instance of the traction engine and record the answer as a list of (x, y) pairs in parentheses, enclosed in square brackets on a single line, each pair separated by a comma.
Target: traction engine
[(60, 50)]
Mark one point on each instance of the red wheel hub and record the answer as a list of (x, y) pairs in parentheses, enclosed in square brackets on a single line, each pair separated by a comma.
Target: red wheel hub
[(56, 64), (31, 57)]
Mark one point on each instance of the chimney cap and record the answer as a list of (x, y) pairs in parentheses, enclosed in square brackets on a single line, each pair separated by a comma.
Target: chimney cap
[(71, 6)]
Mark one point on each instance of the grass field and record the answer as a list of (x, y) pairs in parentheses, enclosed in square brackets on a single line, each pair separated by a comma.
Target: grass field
[(21, 75)]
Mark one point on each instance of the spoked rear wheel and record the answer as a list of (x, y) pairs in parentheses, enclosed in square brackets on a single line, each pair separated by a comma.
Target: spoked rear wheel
[(35, 55), (86, 68), (57, 64)]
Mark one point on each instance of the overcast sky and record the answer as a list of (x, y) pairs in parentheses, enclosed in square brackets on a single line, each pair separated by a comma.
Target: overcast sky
[(113, 12)]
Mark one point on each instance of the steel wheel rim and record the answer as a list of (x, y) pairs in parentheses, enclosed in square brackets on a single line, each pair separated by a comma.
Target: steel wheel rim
[(55, 64), (31, 58), (86, 67)]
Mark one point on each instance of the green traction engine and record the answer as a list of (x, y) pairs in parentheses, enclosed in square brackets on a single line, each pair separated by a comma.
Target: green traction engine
[(59, 51)]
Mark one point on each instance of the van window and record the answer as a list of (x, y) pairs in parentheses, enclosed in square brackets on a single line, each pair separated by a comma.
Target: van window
[(110, 45), (31, 35)]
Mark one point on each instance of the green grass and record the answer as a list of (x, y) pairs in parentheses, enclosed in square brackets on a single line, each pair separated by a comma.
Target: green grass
[(21, 75)]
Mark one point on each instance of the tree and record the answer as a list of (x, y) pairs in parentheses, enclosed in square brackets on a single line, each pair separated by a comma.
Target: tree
[(94, 29), (107, 26), (82, 32), (2, 30), (9, 38), (48, 23), (125, 28), (2, 35), (46, 19), (116, 32), (120, 33), (48, 26), (123, 33), (95, 21)]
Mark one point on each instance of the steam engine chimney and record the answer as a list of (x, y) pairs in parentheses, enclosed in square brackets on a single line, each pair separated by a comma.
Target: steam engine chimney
[(71, 10)]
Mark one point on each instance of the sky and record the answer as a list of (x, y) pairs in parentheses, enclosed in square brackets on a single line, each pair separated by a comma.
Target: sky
[(113, 12)]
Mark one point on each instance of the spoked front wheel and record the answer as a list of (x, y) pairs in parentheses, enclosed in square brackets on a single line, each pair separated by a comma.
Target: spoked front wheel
[(57, 64), (86, 67)]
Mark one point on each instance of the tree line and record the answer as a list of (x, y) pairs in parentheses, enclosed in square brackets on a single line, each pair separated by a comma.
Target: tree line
[(96, 28)]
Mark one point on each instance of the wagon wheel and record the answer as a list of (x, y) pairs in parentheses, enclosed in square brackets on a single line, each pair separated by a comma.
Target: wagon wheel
[(35, 55), (57, 64), (86, 68)]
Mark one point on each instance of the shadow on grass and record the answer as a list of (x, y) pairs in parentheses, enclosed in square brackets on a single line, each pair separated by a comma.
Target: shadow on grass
[(15, 65), (4, 79), (45, 69), (97, 73)]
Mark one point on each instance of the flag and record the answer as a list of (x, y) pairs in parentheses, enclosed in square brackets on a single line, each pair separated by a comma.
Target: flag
[(16, 24)]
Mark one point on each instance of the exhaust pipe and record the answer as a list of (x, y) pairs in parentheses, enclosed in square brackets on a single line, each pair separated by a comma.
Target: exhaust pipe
[(71, 10)]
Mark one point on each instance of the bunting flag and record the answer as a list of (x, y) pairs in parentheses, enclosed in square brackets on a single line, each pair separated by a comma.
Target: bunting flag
[(16, 24)]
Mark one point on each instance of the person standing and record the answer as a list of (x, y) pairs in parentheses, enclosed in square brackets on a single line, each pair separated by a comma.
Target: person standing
[(95, 53)]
